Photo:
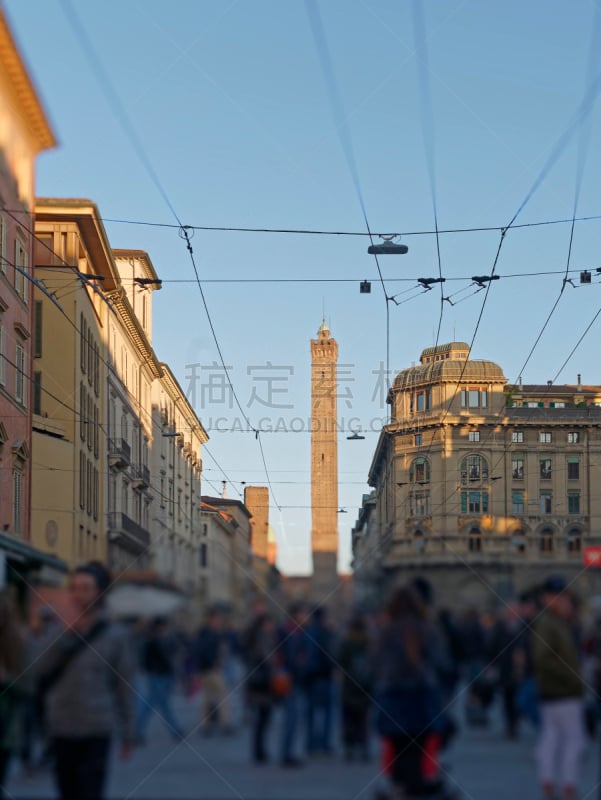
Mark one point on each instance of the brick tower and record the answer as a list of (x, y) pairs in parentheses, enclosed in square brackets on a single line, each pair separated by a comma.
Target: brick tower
[(324, 463)]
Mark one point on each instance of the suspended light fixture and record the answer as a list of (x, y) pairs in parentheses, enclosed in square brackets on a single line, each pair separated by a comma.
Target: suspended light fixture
[(388, 247)]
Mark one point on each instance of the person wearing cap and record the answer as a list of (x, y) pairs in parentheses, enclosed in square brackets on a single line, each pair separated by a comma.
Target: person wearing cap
[(86, 678), (558, 676)]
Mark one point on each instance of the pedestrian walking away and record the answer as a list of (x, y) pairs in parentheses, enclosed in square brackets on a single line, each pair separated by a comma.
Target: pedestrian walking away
[(86, 679)]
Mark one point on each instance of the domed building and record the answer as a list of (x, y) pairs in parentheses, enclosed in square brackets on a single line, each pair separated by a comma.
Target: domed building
[(483, 486)]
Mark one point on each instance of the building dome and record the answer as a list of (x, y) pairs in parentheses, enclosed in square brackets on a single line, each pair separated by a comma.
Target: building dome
[(449, 363)]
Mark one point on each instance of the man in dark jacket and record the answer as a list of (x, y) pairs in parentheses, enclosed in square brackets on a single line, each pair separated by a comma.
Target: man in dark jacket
[(158, 658)]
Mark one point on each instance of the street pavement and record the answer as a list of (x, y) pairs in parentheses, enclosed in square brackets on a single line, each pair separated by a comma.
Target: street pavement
[(481, 763)]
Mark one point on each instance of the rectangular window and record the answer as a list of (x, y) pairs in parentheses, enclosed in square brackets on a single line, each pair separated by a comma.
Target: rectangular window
[(546, 502), (573, 437), (474, 398), (517, 436), (203, 555), (544, 437), (3, 242), (517, 502), (90, 422), (37, 392), (82, 480), (423, 400), (573, 468), (162, 498), (21, 270), (82, 411), (83, 349), (474, 502), (418, 439), (89, 488), (474, 436), (17, 500), (96, 490), (573, 502), (419, 503), (37, 334), (96, 431), (90, 357), (20, 390), (545, 469), (2, 356), (557, 405)]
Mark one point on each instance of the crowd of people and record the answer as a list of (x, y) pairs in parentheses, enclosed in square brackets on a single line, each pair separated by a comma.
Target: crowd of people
[(399, 682)]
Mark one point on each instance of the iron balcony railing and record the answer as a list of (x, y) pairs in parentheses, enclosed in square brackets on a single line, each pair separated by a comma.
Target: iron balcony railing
[(119, 452), (125, 531)]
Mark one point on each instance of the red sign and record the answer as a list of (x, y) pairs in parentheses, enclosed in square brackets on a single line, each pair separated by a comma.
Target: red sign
[(592, 557)]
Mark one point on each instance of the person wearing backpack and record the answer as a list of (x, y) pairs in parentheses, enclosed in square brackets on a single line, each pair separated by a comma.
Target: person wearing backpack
[(86, 678)]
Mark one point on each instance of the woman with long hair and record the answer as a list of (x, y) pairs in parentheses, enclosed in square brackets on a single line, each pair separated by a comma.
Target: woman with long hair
[(11, 667)]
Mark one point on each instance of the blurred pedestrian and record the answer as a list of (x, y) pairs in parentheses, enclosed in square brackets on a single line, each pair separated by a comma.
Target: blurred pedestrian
[(159, 656), (294, 649), (354, 660), (480, 687), (86, 679), (210, 650), (11, 668), (557, 670), (320, 684), (405, 689), (260, 647), (505, 639)]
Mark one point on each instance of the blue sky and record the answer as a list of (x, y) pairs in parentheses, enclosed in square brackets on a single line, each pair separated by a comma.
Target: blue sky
[(231, 105)]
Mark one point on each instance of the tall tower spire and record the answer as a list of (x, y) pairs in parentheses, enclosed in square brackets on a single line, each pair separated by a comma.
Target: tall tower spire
[(324, 462)]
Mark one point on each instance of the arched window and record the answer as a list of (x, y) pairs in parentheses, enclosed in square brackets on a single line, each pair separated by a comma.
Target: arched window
[(574, 541), (518, 541), (124, 431), (474, 469), (475, 540), (420, 471), (546, 540)]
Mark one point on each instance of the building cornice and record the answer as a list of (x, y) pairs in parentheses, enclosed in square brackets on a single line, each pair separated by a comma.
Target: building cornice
[(28, 101), (135, 331), (177, 395), (85, 215)]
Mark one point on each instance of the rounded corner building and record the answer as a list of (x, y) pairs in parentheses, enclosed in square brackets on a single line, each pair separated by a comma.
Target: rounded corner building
[(484, 486)]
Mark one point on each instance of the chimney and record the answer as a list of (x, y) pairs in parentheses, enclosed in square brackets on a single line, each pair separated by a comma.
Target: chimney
[(224, 490), (579, 379), (549, 383)]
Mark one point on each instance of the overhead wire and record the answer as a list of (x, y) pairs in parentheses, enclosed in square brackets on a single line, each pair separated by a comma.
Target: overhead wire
[(342, 130), (427, 124), (123, 118), (591, 92)]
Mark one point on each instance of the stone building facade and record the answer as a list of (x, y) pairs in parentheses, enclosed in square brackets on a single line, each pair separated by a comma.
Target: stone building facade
[(24, 133), (484, 486)]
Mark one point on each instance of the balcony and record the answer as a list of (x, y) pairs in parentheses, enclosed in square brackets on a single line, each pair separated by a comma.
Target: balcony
[(119, 454), (126, 533), (141, 477)]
